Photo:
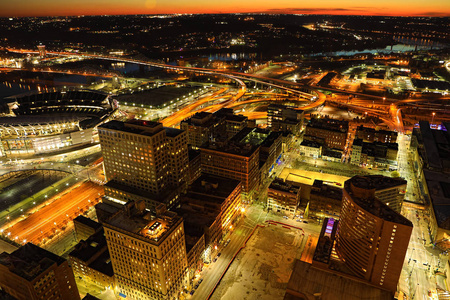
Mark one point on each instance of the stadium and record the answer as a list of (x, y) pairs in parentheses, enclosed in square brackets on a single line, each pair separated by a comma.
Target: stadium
[(36, 123)]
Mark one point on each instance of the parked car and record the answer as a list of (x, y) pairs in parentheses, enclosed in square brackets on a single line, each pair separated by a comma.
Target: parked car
[(305, 222)]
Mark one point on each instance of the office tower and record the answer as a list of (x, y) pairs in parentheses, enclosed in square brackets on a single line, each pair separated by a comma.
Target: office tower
[(144, 161), (233, 123), (218, 195), (177, 157), (235, 161), (284, 118), (201, 128), (371, 239), (147, 251), (332, 132), (31, 273)]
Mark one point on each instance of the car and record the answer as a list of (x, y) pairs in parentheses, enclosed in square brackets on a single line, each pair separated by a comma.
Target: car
[(305, 222), (215, 259), (196, 286), (285, 217), (200, 281), (298, 220), (192, 292), (220, 253)]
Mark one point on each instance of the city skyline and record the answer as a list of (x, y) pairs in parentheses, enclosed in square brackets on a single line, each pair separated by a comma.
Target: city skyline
[(29, 8), (224, 156)]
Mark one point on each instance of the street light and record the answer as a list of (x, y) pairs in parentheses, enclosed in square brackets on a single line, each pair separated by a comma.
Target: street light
[(432, 119)]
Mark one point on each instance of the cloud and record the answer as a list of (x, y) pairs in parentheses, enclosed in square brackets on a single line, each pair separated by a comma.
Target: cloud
[(315, 10), (434, 14)]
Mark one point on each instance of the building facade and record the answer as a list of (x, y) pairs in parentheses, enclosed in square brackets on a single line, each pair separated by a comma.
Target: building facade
[(325, 200), (32, 273), (148, 252), (90, 261), (146, 157), (284, 118), (333, 132), (310, 149), (201, 127), (372, 239), (234, 161), (283, 197), (371, 135)]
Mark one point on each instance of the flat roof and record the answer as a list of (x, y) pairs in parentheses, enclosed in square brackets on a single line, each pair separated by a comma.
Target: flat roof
[(156, 96), (86, 249), (173, 132), (439, 186), (29, 261), (231, 147), (88, 222), (371, 204), (141, 222), (212, 188), (147, 128), (329, 124), (281, 185), (377, 182), (312, 144), (308, 281), (308, 177), (103, 264)]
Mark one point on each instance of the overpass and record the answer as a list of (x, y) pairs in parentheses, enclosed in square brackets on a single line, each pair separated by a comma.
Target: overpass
[(238, 77)]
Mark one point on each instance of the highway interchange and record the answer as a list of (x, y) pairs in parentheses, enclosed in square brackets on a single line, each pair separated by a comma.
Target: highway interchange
[(417, 278)]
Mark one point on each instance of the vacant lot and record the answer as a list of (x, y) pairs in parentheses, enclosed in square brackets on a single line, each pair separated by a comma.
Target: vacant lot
[(262, 269)]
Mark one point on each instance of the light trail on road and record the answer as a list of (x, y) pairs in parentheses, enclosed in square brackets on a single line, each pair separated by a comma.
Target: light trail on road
[(63, 208)]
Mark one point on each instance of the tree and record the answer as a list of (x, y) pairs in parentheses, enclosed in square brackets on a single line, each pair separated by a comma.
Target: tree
[(395, 174)]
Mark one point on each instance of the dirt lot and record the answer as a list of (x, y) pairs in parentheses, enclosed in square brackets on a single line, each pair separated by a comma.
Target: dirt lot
[(262, 269)]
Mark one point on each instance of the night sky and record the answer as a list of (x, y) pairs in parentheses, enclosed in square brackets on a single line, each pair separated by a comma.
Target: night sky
[(17, 8)]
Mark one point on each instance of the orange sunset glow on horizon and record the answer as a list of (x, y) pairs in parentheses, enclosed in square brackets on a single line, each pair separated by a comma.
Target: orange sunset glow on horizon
[(433, 8)]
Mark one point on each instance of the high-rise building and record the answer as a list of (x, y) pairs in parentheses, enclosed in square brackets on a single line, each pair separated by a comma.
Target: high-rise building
[(216, 194), (372, 239), (233, 123), (332, 132), (201, 128), (235, 161), (390, 191), (148, 251), (145, 157), (284, 118), (33, 273), (177, 157)]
